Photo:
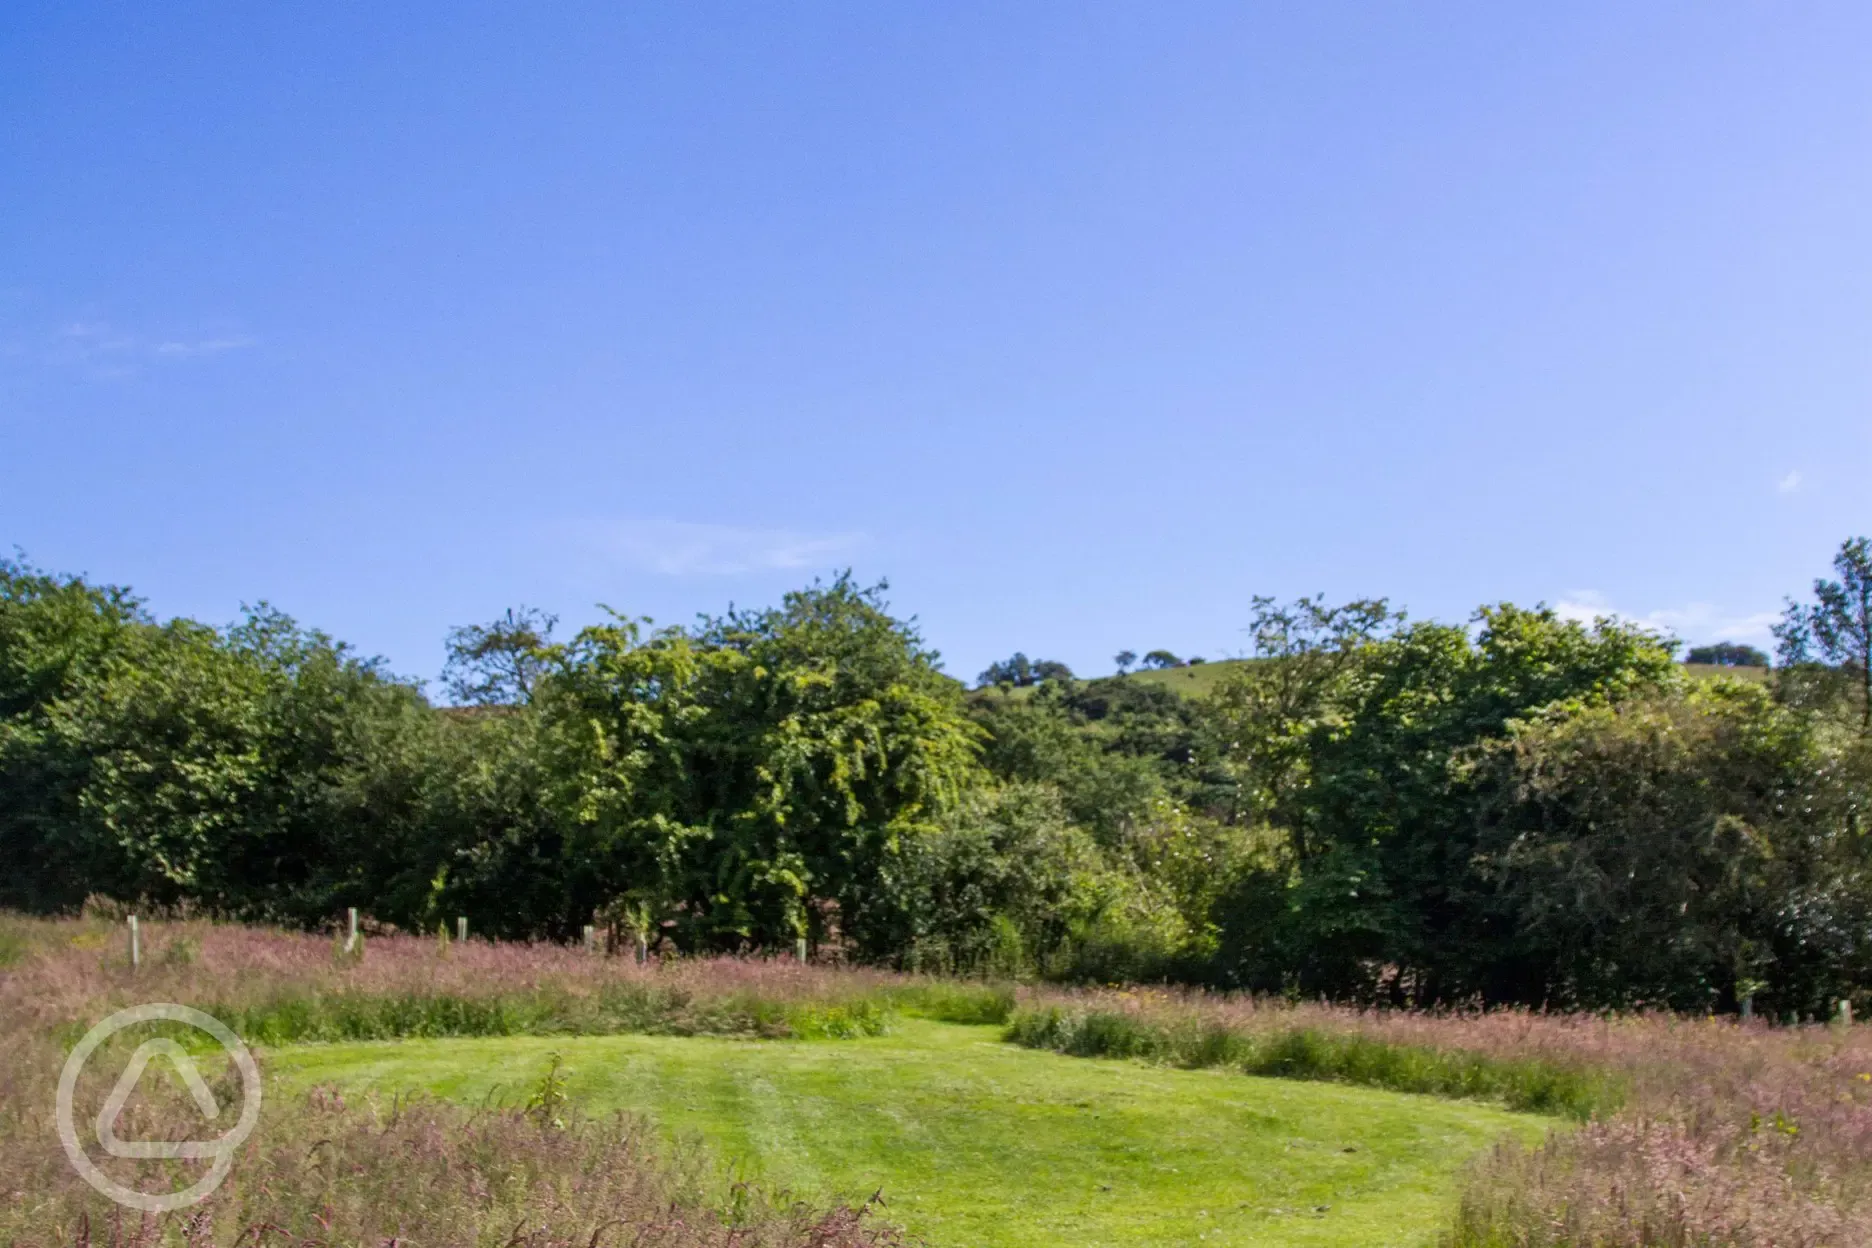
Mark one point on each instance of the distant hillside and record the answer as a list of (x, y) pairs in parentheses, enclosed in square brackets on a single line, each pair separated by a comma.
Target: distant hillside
[(1201, 679), (1195, 681), (1709, 671)]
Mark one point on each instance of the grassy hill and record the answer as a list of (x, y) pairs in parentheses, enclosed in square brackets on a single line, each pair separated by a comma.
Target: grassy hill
[(1195, 681), (1201, 679)]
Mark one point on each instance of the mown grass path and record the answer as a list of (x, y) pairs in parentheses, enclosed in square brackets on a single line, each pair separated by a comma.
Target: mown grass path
[(979, 1144)]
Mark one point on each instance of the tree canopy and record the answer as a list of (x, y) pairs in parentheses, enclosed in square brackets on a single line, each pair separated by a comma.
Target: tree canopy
[(1517, 807)]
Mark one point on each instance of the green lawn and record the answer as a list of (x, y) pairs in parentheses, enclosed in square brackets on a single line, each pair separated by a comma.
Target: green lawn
[(977, 1143)]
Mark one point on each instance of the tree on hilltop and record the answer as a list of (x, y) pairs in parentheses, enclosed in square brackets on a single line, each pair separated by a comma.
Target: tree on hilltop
[(1017, 670), (1727, 654)]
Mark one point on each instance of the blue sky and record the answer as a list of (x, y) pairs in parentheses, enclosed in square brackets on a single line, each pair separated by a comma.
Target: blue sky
[(1081, 322)]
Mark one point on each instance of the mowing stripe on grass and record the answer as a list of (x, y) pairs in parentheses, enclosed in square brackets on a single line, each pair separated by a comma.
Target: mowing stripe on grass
[(976, 1143)]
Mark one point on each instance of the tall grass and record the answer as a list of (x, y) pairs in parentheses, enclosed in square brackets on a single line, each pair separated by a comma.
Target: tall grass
[(277, 987), (1298, 1050), (1690, 1131), (327, 1172), (1693, 1132), (322, 1171)]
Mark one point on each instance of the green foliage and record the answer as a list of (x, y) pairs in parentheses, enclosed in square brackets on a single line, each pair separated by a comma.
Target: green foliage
[(1113, 749), (548, 1103), (1020, 672), (763, 776), (1008, 874), (954, 1001), (262, 771), (1523, 809), (1349, 737), (1827, 644), (751, 776), (843, 1020), (503, 662), (1684, 849)]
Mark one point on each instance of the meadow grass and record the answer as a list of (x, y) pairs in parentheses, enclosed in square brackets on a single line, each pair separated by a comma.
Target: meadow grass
[(972, 1141), (1697, 1132), (1301, 1051), (322, 1171), (281, 988), (1691, 1131)]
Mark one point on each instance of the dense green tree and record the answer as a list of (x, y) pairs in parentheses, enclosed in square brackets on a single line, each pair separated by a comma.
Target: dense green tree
[(1021, 672), (997, 885), (130, 768), (1687, 848), (1114, 748), (1834, 632), (264, 771), (1124, 659), (1271, 712), (500, 663), (759, 776), (1349, 743), (1161, 660), (350, 764), (61, 641), (1016, 670)]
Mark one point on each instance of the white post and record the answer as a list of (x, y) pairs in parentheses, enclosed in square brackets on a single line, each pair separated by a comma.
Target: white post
[(136, 945), (1748, 1006), (461, 928), (1845, 1012), (799, 949), (351, 941), (591, 938), (643, 948)]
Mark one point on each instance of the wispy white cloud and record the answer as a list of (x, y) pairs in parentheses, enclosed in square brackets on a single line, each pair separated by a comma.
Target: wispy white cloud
[(205, 346), (87, 338), (1789, 484), (680, 548), (1696, 621), (109, 348)]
